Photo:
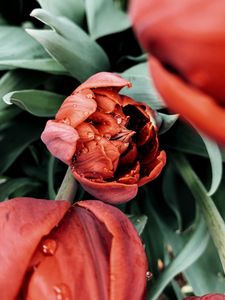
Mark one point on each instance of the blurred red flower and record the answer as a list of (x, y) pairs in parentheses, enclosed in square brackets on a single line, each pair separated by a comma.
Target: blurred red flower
[(207, 297), (186, 40), (109, 140), (51, 250)]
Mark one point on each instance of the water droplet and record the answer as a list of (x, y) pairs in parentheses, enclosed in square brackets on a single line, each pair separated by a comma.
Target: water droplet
[(90, 134), (148, 275), (98, 138), (66, 121), (74, 105), (86, 113), (62, 292), (49, 247), (85, 150), (118, 119), (89, 96)]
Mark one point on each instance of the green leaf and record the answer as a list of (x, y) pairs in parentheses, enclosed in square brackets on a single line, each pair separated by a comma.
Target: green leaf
[(16, 138), (17, 80), (20, 50), (142, 86), (36, 102), (71, 9), (167, 121), (104, 18), (193, 249), (70, 45), (139, 222), (9, 188), (216, 161)]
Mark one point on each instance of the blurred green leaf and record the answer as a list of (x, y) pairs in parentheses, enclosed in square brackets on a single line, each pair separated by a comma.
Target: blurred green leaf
[(8, 113), (21, 51), (70, 45), (15, 138), (11, 187), (192, 250), (216, 163), (72, 9), (104, 18), (36, 102), (139, 222), (18, 80), (142, 86), (167, 122)]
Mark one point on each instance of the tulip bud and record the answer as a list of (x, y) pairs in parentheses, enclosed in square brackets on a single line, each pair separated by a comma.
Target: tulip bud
[(185, 41), (109, 140), (50, 250)]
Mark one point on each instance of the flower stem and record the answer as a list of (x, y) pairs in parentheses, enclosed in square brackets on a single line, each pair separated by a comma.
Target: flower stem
[(211, 214), (68, 188)]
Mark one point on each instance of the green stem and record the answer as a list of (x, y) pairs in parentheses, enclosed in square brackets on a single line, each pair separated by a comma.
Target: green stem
[(212, 216), (68, 188)]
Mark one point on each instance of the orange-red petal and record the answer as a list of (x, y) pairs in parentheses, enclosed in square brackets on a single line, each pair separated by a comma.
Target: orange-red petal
[(60, 139), (23, 223), (199, 109), (98, 256), (104, 79), (110, 192), (77, 108), (153, 169), (207, 297)]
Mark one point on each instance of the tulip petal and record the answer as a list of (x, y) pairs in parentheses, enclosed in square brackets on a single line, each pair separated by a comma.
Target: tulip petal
[(127, 253), (86, 132), (110, 192), (151, 170), (23, 223), (199, 109), (189, 36), (77, 108), (104, 79), (60, 139), (106, 99), (97, 248)]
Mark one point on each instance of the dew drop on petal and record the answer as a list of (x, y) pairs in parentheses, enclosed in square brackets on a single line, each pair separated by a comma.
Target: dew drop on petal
[(74, 105), (90, 134), (89, 96), (62, 292), (85, 150), (148, 275), (107, 136), (66, 121), (98, 138), (86, 113), (49, 247), (118, 119)]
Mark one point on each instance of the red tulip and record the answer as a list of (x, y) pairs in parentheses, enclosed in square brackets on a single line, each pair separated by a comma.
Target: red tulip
[(207, 297), (109, 140), (186, 40), (50, 251)]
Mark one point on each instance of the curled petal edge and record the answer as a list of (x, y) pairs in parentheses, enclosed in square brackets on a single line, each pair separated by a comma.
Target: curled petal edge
[(109, 192), (60, 139), (201, 110), (104, 79)]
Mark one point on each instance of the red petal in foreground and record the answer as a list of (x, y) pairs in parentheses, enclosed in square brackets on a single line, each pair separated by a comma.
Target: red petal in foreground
[(23, 223), (60, 139), (98, 256), (200, 110), (207, 297)]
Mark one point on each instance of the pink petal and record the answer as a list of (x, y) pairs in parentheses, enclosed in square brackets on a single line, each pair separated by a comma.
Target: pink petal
[(77, 108), (60, 139), (23, 223), (104, 79)]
